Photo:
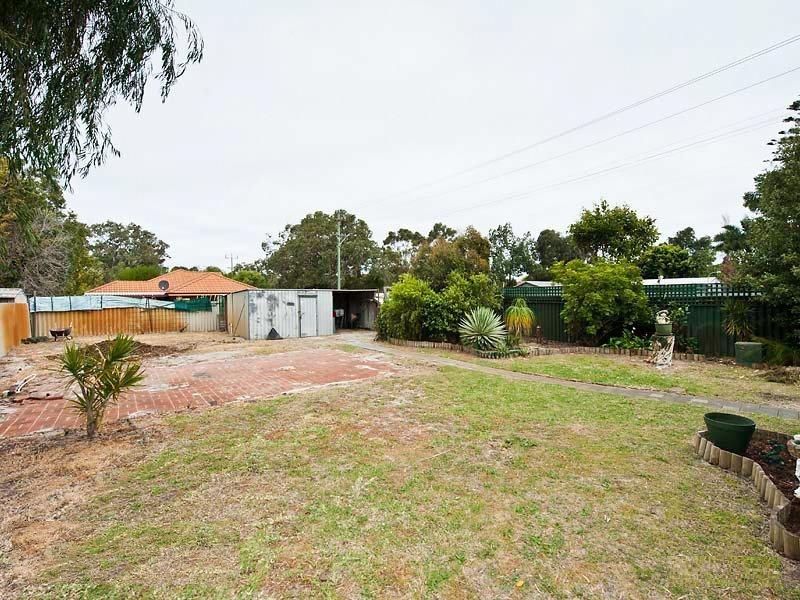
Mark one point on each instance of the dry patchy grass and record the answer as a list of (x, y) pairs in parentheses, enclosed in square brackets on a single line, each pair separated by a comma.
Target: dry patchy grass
[(451, 484), (703, 378)]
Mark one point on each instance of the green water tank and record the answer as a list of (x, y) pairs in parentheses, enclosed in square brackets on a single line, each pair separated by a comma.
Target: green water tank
[(749, 353)]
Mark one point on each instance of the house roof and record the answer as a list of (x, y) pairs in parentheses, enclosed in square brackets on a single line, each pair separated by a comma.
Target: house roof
[(181, 283)]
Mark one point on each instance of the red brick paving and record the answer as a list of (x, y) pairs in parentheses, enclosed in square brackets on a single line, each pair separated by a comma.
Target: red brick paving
[(202, 384)]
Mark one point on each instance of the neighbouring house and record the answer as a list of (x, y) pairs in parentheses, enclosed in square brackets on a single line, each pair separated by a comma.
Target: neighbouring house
[(176, 284)]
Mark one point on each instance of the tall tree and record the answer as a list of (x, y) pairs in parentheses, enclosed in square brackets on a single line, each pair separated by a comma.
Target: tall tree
[(733, 238), (467, 253), (510, 256), (613, 233), (772, 257), (552, 247), (63, 64), (701, 250), (304, 255), (405, 243), (120, 246), (43, 248), (440, 230)]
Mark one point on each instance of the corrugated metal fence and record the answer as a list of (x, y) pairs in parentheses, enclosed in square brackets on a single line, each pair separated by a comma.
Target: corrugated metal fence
[(121, 315), (14, 325), (704, 303)]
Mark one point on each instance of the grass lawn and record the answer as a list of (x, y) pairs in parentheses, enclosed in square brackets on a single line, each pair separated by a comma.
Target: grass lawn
[(446, 484), (695, 378)]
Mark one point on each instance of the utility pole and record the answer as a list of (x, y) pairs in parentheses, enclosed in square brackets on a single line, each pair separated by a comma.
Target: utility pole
[(232, 257), (340, 239)]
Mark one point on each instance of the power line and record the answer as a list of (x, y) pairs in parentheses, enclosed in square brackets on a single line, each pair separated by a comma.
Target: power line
[(706, 141), (605, 116), (604, 140)]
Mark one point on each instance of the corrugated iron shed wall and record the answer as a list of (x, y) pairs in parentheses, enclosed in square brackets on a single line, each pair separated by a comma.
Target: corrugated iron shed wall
[(277, 309), (15, 325)]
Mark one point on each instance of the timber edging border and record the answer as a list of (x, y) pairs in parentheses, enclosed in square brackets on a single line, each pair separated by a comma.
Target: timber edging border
[(782, 540)]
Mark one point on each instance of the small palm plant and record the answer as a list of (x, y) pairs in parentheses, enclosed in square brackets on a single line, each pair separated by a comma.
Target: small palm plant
[(482, 329), (737, 319), (100, 377), (520, 319)]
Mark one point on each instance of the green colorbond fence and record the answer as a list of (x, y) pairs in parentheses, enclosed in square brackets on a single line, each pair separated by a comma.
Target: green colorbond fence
[(704, 303)]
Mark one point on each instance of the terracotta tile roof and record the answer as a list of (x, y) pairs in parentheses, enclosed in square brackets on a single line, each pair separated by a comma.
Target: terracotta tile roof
[(181, 283)]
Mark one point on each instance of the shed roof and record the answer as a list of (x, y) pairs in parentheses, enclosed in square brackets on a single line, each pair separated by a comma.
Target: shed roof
[(11, 292), (181, 283)]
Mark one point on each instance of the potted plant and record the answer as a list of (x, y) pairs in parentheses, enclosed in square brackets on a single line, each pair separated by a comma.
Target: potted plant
[(729, 432), (663, 323), (736, 324)]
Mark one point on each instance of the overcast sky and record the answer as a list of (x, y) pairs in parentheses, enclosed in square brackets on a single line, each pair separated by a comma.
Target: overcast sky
[(304, 106)]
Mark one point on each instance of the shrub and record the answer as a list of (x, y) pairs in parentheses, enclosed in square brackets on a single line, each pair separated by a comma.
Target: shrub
[(628, 341), (482, 329), (100, 378), (779, 354), (413, 311), (520, 319), (600, 299), (401, 315)]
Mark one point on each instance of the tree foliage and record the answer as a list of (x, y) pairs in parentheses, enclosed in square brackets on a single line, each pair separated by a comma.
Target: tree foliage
[(63, 64), (552, 247), (304, 256), (771, 260), (601, 298), (701, 251), (120, 246), (667, 260), (511, 256), (139, 272), (613, 233), (253, 277), (43, 248), (467, 253)]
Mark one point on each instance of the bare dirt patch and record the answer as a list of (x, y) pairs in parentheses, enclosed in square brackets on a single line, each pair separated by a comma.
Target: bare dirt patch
[(45, 479)]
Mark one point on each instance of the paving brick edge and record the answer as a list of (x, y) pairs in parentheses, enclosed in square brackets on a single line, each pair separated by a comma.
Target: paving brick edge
[(783, 541), (684, 356)]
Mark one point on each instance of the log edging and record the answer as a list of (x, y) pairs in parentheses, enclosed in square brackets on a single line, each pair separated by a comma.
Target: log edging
[(684, 356), (782, 540)]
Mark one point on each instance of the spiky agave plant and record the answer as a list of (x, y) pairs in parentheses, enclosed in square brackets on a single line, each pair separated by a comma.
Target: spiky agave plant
[(100, 377), (482, 329), (520, 319)]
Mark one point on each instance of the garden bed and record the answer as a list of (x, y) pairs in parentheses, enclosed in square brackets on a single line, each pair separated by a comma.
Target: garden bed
[(547, 350), (771, 470)]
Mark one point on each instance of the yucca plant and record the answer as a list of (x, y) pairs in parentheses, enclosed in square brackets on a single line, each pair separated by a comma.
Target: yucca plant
[(482, 329), (100, 377), (520, 319)]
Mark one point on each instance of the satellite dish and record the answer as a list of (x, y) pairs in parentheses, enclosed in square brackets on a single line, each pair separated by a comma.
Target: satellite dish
[(163, 285)]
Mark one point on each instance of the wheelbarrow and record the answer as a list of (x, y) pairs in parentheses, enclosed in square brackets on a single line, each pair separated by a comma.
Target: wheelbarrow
[(65, 333)]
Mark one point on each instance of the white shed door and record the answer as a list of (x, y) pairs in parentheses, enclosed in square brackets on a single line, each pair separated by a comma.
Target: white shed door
[(308, 316)]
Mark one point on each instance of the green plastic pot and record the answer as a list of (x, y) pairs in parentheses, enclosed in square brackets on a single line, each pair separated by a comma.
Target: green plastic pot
[(729, 432), (663, 328)]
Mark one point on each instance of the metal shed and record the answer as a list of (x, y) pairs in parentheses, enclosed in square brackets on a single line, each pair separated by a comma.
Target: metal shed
[(265, 314)]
